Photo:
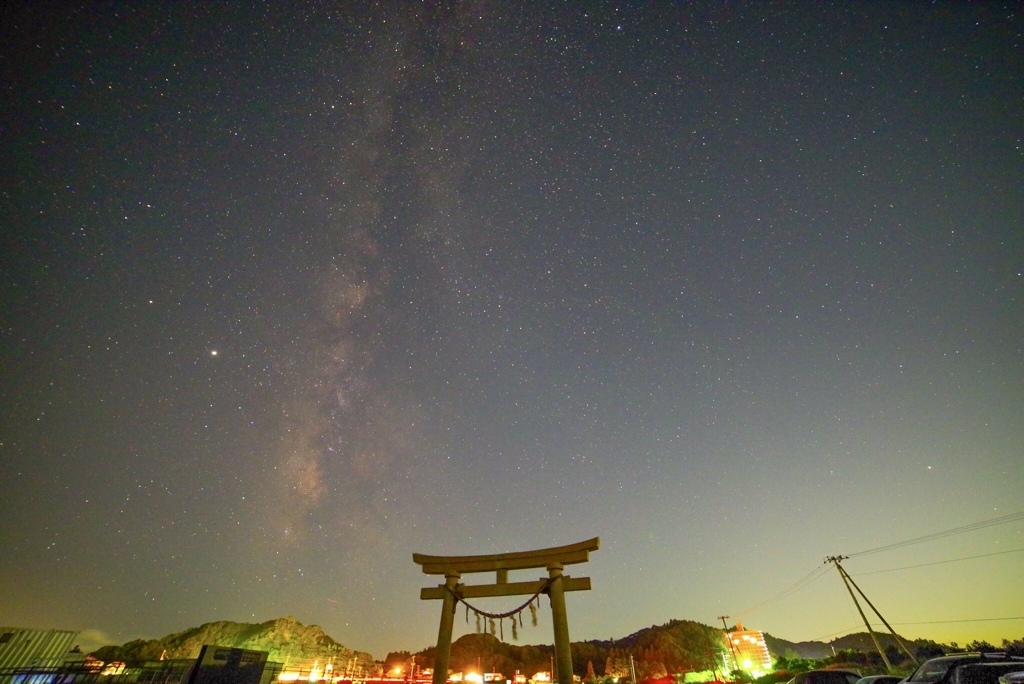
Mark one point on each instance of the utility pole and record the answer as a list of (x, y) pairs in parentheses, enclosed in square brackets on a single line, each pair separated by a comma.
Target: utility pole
[(842, 573), (846, 578), (732, 648), (711, 656), (847, 581)]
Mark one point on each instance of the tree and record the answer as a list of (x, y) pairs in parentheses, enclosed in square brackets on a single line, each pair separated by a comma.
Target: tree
[(895, 655), (650, 669), (133, 653), (741, 676), (617, 665), (927, 652), (399, 661), (1015, 648), (795, 664)]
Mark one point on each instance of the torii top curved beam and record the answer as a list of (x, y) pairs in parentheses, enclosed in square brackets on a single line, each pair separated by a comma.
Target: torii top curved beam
[(520, 560)]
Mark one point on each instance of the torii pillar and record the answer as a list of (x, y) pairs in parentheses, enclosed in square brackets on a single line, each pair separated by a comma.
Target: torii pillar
[(556, 584)]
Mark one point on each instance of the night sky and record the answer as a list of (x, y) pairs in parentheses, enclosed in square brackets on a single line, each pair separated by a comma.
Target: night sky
[(292, 291)]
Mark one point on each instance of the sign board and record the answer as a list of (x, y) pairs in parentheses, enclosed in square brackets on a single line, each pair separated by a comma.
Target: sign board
[(226, 665)]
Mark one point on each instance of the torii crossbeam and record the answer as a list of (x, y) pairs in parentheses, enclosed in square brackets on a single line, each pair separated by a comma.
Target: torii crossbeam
[(554, 559)]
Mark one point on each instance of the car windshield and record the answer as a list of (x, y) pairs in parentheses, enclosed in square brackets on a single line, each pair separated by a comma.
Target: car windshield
[(931, 671)]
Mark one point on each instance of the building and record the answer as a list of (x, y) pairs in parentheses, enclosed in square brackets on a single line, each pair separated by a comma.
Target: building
[(746, 650), (23, 648)]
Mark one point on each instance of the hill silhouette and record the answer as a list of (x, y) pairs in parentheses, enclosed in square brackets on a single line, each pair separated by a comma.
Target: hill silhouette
[(285, 639), (677, 646)]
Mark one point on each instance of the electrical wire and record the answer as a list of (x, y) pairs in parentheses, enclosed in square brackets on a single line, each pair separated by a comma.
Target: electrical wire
[(946, 622), (951, 560), (850, 630), (821, 570), (945, 533), (791, 589)]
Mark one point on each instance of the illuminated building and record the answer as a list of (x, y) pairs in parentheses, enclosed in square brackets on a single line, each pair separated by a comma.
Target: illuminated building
[(746, 650), (20, 647)]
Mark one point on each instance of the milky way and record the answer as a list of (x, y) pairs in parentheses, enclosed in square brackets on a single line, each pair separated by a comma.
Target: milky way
[(290, 293)]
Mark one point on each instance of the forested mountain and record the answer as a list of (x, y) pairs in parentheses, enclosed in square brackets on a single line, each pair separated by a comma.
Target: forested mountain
[(675, 647), (285, 639)]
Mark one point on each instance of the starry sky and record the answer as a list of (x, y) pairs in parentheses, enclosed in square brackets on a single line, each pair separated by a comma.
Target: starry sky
[(291, 291)]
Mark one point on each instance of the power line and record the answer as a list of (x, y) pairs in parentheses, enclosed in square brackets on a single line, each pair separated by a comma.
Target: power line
[(951, 560), (945, 533), (791, 589), (820, 571), (850, 630), (946, 622)]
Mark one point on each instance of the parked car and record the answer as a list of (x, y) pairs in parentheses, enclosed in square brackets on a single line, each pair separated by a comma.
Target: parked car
[(966, 668), (880, 679), (826, 677), (983, 673)]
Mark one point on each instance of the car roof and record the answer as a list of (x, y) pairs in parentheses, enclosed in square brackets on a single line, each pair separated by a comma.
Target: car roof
[(1008, 665), (982, 672)]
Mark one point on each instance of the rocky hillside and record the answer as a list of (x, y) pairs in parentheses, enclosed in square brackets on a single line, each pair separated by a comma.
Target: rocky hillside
[(677, 646), (285, 639)]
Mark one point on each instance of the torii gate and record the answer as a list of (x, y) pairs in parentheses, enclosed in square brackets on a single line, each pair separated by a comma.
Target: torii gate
[(451, 592)]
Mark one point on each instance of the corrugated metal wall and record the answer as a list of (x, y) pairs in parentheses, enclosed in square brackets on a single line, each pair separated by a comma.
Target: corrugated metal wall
[(21, 647)]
